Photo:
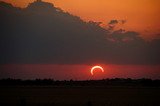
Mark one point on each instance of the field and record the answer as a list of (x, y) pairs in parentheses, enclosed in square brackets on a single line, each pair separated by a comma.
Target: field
[(79, 96)]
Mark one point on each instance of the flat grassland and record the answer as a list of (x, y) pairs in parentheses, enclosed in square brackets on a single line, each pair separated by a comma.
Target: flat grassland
[(79, 96)]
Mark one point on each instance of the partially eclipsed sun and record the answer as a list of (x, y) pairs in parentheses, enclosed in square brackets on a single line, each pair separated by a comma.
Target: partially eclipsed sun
[(96, 67)]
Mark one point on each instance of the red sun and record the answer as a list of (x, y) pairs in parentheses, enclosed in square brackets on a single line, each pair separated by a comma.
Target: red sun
[(96, 67)]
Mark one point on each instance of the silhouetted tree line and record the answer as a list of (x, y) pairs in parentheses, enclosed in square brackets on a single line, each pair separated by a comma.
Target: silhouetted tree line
[(103, 82)]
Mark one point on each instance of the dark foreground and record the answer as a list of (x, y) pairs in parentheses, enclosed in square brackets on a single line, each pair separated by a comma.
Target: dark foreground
[(79, 96)]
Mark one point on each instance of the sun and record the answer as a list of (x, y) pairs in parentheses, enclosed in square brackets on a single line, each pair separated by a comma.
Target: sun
[(96, 67)]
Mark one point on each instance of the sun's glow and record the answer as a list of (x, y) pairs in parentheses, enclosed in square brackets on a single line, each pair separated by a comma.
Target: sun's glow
[(96, 67)]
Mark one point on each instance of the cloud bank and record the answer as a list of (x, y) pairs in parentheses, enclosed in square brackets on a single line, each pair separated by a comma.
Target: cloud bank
[(44, 34)]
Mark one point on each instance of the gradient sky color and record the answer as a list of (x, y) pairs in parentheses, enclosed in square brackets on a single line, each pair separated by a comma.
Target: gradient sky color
[(141, 15)]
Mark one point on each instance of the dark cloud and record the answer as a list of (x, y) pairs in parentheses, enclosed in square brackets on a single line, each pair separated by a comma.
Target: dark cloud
[(42, 33), (113, 22)]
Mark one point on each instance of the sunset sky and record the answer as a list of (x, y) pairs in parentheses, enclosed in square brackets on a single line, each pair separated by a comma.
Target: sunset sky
[(78, 72), (67, 48), (140, 15)]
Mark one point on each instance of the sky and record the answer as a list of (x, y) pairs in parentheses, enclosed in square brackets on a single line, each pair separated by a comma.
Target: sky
[(140, 15), (41, 42), (77, 72)]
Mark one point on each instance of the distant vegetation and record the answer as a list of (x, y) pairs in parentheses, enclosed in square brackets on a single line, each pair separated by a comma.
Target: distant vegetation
[(103, 82)]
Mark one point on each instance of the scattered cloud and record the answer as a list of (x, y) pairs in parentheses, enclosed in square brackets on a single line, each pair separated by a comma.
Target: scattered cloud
[(113, 23)]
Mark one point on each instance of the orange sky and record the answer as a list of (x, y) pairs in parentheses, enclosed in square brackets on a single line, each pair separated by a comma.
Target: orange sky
[(141, 15)]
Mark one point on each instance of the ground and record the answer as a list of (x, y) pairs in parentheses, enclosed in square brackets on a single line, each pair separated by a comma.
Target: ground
[(79, 96)]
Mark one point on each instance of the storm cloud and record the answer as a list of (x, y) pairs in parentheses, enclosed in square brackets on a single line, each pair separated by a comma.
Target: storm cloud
[(42, 33)]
